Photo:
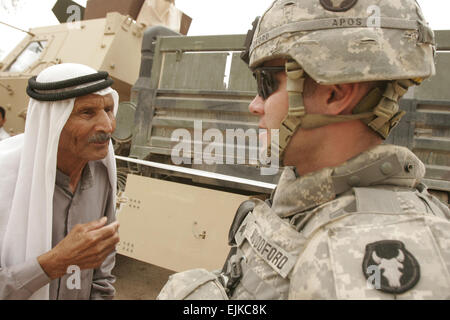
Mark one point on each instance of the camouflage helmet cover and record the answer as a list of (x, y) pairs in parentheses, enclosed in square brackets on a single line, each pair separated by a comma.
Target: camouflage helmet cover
[(346, 41)]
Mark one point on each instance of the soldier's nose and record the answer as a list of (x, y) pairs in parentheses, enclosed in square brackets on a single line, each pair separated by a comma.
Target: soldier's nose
[(257, 106)]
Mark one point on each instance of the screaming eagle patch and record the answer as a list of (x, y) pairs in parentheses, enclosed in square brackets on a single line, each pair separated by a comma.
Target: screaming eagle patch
[(338, 5), (389, 267)]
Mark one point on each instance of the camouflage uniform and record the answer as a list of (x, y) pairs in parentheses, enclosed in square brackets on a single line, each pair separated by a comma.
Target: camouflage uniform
[(335, 221), (367, 229), (322, 224)]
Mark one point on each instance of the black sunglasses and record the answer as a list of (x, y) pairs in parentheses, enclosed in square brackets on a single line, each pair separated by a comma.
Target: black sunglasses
[(266, 80)]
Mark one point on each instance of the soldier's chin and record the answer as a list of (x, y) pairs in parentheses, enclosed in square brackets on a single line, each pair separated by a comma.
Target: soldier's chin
[(263, 139), (262, 150)]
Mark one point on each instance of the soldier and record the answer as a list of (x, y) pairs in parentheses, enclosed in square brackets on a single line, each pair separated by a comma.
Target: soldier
[(350, 218)]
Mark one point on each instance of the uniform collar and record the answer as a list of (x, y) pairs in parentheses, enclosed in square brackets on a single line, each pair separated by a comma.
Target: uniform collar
[(382, 165)]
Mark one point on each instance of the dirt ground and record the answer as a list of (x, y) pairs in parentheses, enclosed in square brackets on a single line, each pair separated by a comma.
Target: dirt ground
[(138, 280)]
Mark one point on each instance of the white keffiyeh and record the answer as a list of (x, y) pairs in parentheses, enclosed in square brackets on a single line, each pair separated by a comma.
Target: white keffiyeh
[(27, 182)]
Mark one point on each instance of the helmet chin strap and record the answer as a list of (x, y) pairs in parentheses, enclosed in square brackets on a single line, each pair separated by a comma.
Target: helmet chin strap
[(380, 111), (296, 112)]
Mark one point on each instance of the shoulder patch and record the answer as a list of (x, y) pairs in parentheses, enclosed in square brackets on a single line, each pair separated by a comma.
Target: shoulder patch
[(338, 5), (389, 267)]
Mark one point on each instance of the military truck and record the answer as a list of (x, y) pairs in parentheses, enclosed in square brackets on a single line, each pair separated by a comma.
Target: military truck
[(99, 43), (106, 40), (177, 216)]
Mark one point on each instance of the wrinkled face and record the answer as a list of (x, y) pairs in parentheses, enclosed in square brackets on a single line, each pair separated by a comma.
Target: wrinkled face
[(88, 130)]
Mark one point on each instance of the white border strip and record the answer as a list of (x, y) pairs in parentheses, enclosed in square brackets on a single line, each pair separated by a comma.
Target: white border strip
[(200, 173)]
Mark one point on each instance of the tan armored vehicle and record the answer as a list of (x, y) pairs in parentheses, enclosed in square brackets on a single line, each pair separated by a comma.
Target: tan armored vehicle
[(107, 41)]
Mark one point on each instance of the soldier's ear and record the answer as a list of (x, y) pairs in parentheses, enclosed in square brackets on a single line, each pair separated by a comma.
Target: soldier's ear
[(342, 98)]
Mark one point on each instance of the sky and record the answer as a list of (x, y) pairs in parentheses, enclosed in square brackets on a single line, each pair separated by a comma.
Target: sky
[(209, 16)]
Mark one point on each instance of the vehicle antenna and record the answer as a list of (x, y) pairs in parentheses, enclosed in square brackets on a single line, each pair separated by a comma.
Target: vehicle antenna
[(31, 34)]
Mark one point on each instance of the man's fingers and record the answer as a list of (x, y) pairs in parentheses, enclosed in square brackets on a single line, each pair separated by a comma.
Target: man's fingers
[(103, 249), (105, 232), (98, 260), (96, 224), (109, 244), (107, 251)]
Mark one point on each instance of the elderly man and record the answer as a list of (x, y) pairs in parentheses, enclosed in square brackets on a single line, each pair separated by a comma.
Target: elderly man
[(3, 133), (349, 218), (57, 194)]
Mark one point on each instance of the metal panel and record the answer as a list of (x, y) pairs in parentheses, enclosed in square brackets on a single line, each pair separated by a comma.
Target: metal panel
[(187, 71), (426, 131), (437, 87), (438, 172), (226, 95), (240, 77), (192, 103), (442, 39), (206, 124), (432, 133), (204, 43), (154, 227), (181, 86), (439, 185), (432, 144), (403, 135), (125, 119), (426, 126), (197, 79), (434, 118)]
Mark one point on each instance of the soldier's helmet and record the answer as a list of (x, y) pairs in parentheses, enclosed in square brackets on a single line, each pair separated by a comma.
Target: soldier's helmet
[(346, 41)]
